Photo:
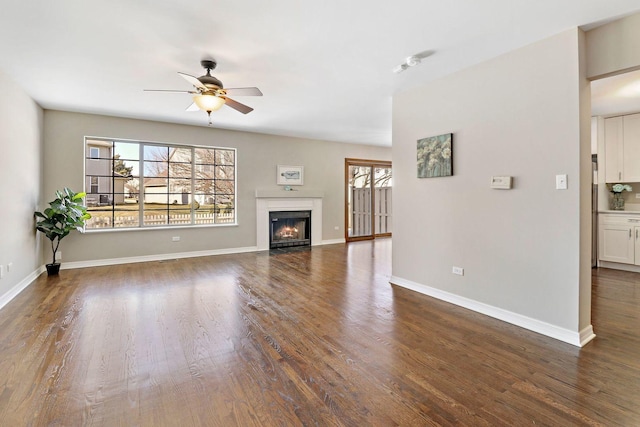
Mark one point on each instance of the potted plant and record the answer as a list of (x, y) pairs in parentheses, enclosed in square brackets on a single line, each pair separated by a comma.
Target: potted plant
[(64, 214)]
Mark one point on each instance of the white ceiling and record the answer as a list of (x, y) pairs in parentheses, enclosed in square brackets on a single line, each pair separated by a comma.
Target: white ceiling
[(616, 95), (324, 67)]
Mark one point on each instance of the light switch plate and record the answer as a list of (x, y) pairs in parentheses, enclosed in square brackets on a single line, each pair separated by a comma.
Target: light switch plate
[(561, 182), (458, 270), (501, 182)]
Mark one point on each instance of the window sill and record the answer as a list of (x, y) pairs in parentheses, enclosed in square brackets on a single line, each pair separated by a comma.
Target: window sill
[(160, 227)]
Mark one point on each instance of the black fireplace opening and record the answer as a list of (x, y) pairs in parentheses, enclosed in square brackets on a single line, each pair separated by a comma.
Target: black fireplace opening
[(289, 228)]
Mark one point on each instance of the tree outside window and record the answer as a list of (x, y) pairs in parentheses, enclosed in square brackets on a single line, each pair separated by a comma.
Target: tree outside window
[(147, 184)]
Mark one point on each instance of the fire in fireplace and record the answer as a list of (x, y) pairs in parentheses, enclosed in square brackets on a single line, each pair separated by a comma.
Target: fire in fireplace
[(290, 228)]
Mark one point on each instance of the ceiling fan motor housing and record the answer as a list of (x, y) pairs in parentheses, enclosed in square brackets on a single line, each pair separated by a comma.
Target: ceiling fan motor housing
[(208, 80)]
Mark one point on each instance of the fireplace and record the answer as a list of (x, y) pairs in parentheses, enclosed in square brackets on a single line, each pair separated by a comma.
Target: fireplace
[(287, 201), (289, 228)]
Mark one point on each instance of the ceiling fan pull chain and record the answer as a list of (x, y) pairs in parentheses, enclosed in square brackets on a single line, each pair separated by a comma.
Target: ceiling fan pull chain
[(209, 113)]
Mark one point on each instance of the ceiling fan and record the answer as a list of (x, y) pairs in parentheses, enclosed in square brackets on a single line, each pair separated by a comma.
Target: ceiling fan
[(210, 94)]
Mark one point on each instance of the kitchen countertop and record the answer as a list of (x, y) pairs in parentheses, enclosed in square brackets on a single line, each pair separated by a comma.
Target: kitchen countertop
[(620, 212)]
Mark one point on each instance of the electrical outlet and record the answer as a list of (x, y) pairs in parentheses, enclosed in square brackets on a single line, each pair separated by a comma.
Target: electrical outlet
[(336, 228), (175, 239), (1, 271), (458, 270), (637, 195), (58, 255), (9, 266)]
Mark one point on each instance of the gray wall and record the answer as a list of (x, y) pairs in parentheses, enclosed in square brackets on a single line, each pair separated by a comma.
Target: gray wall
[(20, 182), (614, 47), (523, 250), (258, 156)]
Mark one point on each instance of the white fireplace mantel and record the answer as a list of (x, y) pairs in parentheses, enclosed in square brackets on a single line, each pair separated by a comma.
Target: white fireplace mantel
[(280, 200), (293, 194)]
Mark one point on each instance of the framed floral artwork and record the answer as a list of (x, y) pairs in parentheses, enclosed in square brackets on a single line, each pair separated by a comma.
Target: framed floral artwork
[(435, 156)]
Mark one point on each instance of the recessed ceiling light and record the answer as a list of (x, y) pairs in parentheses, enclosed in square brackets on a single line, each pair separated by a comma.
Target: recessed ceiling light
[(412, 61), (631, 90)]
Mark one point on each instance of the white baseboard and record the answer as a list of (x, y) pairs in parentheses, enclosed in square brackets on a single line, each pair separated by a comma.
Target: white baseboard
[(15, 291), (333, 241), (158, 257), (578, 339), (164, 257), (586, 335), (618, 266)]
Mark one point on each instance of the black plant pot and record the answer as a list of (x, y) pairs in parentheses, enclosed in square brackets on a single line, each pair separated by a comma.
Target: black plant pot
[(53, 269)]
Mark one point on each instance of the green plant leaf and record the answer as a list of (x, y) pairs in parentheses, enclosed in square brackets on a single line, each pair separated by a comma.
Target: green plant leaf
[(64, 214)]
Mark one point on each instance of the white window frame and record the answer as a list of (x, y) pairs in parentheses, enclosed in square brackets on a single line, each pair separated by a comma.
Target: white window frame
[(141, 192)]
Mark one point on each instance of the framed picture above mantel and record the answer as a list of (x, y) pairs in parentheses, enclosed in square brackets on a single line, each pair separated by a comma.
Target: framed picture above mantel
[(290, 175)]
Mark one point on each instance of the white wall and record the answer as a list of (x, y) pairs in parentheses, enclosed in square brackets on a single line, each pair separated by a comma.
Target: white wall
[(614, 47), (258, 156), (523, 250), (20, 181)]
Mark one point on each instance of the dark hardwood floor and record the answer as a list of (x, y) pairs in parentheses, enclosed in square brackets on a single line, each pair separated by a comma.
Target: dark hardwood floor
[(313, 337)]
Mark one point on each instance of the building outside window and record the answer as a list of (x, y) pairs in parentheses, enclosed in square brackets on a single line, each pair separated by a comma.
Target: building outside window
[(141, 184), (94, 185)]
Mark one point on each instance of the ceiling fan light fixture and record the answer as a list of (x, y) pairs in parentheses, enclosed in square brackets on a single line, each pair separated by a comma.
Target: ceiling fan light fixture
[(208, 103)]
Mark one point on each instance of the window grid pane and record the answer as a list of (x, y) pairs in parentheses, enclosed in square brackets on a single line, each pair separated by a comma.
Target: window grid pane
[(158, 184)]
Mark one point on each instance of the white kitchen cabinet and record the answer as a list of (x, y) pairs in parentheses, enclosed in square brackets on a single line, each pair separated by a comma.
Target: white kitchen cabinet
[(631, 160), (619, 239), (613, 150), (636, 235), (622, 148), (617, 244)]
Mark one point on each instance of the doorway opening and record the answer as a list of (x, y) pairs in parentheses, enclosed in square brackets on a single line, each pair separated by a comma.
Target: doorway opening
[(368, 195), (615, 128)]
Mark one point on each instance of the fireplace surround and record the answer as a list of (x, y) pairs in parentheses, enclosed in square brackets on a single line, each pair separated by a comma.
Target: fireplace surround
[(282, 201)]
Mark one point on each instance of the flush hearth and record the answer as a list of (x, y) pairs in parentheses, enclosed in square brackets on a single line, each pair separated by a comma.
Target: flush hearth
[(289, 228)]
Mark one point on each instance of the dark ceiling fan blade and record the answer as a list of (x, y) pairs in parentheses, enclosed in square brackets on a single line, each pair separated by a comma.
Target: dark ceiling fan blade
[(243, 91), (244, 109), (192, 107), (194, 81), (168, 90)]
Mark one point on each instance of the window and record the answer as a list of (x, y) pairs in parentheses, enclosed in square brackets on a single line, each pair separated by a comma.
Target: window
[(94, 152), (94, 185), (144, 184)]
